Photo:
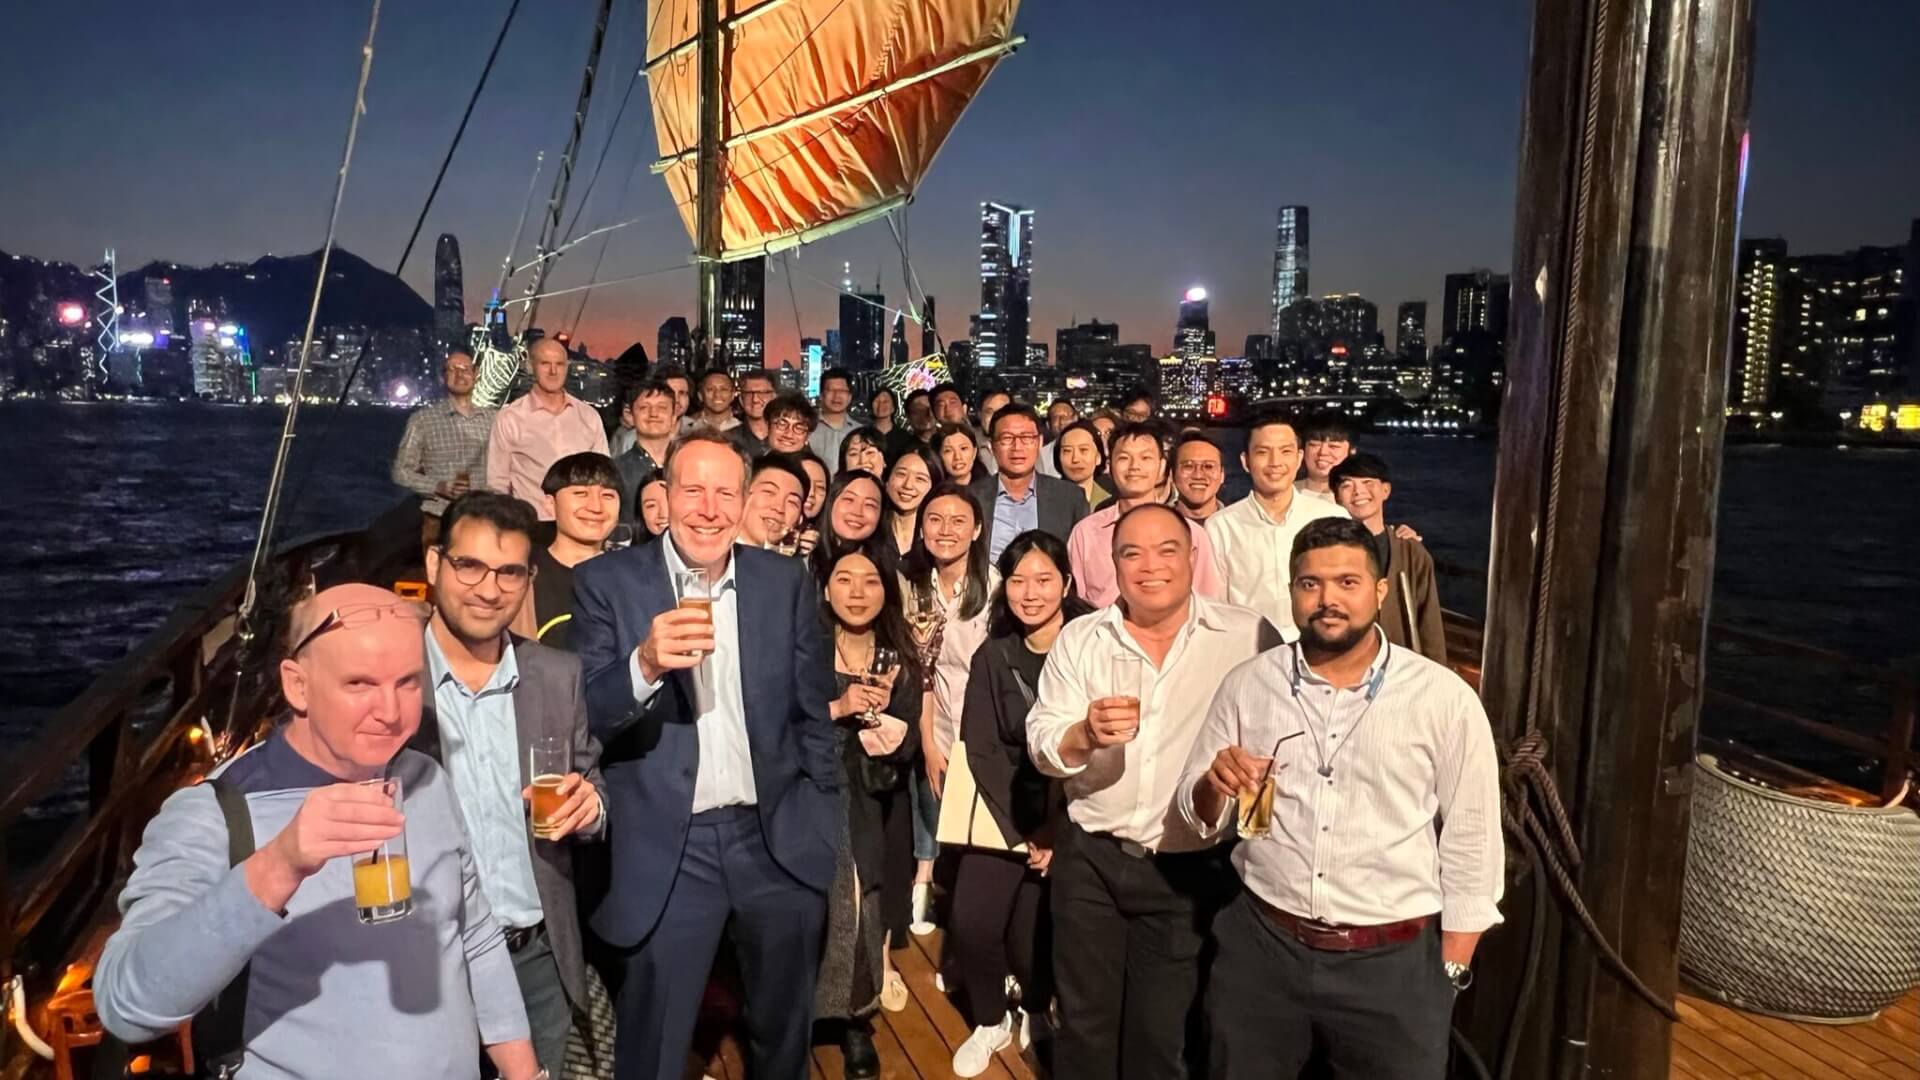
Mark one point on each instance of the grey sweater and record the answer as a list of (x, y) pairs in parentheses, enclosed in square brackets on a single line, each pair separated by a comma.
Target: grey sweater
[(327, 996)]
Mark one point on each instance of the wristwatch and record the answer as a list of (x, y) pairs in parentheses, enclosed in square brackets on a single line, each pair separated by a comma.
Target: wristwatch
[(1460, 975)]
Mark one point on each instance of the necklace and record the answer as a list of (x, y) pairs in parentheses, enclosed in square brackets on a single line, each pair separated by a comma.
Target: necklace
[(1372, 690)]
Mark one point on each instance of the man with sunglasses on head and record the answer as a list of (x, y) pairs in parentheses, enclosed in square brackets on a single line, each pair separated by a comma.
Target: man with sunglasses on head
[(251, 872), (494, 696)]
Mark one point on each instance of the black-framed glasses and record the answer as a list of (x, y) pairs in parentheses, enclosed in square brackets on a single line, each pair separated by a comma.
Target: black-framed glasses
[(353, 615), (789, 425), (470, 571)]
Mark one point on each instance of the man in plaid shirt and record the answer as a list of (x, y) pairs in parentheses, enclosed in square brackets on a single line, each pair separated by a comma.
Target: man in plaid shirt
[(443, 454)]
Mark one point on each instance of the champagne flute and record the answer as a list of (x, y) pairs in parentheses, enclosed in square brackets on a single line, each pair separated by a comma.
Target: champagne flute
[(879, 663)]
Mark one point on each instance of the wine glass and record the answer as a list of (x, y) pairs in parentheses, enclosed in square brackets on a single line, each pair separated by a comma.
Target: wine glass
[(620, 537), (882, 661)]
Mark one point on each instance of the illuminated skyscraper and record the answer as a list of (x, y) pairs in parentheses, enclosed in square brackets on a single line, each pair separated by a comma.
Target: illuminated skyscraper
[(863, 326), (675, 343), (898, 349), (1476, 300), (1289, 262), (743, 294), (1006, 284), (449, 295), (929, 338), (1410, 333), (1759, 317)]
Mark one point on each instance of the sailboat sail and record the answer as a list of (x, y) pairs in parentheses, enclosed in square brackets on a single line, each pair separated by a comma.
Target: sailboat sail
[(833, 111)]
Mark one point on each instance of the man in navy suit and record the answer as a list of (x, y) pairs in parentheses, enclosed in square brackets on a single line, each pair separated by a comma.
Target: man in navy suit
[(721, 776)]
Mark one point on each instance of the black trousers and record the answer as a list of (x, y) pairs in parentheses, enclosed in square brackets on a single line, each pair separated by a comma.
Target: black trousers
[(999, 929), (897, 866), (1128, 936), (1377, 1014)]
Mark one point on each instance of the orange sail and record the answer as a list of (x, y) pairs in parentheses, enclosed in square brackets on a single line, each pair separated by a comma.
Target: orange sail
[(834, 109)]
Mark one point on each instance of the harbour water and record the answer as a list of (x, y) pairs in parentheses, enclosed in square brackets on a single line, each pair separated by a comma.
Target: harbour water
[(121, 510)]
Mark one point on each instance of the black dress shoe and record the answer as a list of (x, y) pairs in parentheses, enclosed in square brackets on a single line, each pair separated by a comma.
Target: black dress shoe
[(859, 1060)]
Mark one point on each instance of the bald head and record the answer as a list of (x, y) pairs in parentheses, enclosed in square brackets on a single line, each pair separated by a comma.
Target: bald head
[(355, 685), (1153, 561), (548, 358)]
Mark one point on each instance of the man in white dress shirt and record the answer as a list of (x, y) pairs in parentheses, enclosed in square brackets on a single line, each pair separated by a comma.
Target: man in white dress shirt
[(1133, 885), (1382, 867), (1253, 538)]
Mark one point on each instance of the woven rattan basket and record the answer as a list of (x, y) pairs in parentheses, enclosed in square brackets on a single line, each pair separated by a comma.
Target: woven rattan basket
[(1797, 907)]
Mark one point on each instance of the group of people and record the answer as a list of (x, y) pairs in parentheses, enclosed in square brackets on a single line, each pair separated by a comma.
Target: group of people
[(1202, 794)]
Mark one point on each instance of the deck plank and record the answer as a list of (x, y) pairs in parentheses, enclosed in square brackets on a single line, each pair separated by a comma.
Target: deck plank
[(1786, 1051), (1701, 1044), (931, 1010), (1692, 1062)]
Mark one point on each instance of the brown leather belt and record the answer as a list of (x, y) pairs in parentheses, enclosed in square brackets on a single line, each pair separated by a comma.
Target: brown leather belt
[(1329, 938)]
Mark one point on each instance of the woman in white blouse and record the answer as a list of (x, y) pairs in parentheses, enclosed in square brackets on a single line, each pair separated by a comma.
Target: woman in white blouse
[(950, 584)]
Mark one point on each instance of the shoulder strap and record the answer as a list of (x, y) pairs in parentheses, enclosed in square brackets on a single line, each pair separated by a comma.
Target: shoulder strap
[(219, 1030)]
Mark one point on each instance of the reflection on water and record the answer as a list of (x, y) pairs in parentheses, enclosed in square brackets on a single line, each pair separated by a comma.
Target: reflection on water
[(132, 506)]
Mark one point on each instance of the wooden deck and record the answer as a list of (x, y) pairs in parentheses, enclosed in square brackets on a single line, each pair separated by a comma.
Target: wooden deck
[(1713, 1041)]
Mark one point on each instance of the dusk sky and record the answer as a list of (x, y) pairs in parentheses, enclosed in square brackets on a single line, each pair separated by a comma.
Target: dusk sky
[(1154, 141)]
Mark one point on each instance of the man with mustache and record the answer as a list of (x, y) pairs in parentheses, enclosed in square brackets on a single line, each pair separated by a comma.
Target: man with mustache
[(1363, 902), (1119, 702)]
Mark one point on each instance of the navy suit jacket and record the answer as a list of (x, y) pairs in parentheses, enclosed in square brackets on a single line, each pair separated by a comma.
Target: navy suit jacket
[(650, 752)]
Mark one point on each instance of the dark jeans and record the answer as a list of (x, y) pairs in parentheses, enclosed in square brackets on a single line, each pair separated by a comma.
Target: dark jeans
[(999, 929), (729, 882), (1377, 1014), (549, 1016), (1128, 934)]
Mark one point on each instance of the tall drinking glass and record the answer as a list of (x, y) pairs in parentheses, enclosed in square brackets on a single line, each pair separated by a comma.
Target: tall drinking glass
[(382, 882), (549, 759), (1128, 675), (696, 593)]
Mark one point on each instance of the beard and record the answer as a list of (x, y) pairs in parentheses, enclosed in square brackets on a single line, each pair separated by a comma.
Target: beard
[(1335, 644)]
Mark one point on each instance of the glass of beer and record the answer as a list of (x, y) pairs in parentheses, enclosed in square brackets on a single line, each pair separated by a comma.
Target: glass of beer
[(1128, 672), (696, 593), (382, 883), (1256, 806), (549, 759)]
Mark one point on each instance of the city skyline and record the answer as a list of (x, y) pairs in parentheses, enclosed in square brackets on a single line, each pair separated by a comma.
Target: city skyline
[(1129, 228)]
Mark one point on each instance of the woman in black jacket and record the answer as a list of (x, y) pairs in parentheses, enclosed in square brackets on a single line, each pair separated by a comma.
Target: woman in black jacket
[(1000, 895), (876, 670)]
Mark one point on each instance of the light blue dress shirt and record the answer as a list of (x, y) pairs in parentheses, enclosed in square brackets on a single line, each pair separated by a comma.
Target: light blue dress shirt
[(1012, 516), (480, 745), (725, 776)]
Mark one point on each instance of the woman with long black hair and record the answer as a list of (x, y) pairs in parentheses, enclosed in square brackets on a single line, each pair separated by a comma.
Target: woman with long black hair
[(949, 585), (876, 671), (909, 478), (850, 518), (1005, 822)]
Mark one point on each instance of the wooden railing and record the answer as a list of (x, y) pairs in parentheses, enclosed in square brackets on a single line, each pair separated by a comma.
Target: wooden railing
[(1892, 747), (130, 730)]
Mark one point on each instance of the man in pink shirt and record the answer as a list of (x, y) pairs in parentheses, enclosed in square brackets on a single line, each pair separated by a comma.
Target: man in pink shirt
[(532, 433), (1138, 466)]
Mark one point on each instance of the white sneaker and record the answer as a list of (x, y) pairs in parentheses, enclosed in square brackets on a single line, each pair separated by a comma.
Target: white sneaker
[(922, 924), (977, 1052), (1026, 1030)]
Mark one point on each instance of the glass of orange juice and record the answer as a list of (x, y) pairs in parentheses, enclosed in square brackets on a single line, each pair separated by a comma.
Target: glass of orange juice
[(382, 882)]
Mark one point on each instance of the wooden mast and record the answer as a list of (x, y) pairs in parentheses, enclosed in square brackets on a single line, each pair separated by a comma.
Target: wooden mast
[(1606, 492), (711, 179)]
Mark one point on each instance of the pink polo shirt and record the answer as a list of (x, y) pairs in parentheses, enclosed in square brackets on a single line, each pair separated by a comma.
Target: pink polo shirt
[(1090, 552), (527, 440)]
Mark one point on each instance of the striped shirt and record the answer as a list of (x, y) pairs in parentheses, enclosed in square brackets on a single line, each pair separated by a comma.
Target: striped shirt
[(441, 443), (1127, 791), (1357, 798)]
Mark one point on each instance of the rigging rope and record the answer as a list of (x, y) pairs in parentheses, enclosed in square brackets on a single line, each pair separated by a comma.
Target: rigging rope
[(269, 513), (366, 339), (550, 231)]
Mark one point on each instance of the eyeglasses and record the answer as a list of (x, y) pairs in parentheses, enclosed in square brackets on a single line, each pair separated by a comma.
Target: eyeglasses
[(790, 426), (1199, 468), (1018, 440), (354, 615), (470, 571)]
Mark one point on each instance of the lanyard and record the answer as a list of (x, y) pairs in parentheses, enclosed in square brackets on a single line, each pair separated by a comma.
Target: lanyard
[(1373, 692)]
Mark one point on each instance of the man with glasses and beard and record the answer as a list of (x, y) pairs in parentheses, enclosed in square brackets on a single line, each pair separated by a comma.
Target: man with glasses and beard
[(495, 696), (1363, 900)]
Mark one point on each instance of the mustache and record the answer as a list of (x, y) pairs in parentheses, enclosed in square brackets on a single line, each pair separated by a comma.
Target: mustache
[(1325, 610)]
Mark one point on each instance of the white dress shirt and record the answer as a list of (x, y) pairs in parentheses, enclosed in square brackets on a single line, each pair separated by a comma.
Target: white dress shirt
[(1300, 488), (1254, 554), (960, 638), (725, 776), (1357, 798), (1127, 791)]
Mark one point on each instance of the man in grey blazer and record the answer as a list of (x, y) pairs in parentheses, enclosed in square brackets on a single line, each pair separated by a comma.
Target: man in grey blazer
[(1018, 498), (490, 697)]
